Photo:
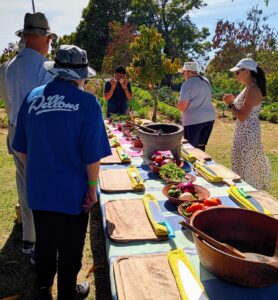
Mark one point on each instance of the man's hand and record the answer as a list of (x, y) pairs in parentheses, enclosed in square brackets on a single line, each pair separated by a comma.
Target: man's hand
[(90, 199), (113, 83), (124, 82)]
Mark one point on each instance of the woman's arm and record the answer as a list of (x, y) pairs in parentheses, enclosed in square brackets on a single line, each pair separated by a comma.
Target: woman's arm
[(182, 105)]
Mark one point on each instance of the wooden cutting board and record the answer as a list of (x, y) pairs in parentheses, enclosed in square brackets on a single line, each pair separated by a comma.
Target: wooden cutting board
[(116, 180), (198, 153), (112, 159), (145, 277), (127, 221), (266, 201), (228, 175)]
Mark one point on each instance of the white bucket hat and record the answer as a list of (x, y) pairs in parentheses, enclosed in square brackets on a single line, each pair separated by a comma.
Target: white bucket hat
[(70, 63), (245, 63), (189, 66)]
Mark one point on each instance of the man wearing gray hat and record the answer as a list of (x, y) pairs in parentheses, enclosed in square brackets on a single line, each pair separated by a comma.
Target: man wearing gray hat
[(23, 73), (61, 135)]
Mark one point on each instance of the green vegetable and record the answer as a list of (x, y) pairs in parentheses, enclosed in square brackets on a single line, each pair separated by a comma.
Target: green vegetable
[(171, 193), (183, 209), (173, 172), (173, 187)]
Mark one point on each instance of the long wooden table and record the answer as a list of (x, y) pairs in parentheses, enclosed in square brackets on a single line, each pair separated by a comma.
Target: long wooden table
[(215, 287)]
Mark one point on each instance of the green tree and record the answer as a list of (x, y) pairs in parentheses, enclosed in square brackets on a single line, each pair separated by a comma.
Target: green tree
[(170, 18), (9, 52), (149, 64), (234, 41), (64, 40), (92, 33)]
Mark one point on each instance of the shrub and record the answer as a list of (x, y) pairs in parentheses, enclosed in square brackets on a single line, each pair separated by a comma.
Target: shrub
[(142, 96), (165, 95), (269, 112), (143, 112), (272, 87), (177, 83), (221, 84), (273, 117), (170, 111)]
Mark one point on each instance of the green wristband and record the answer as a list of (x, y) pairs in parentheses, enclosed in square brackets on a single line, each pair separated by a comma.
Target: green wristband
[(93, 182)]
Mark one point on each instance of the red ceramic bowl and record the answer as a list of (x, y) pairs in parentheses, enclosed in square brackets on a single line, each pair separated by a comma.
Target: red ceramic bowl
[(137, 143), (202, 193)]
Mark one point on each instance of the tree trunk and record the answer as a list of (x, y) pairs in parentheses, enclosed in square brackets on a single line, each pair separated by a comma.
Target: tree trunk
[(154, 95)]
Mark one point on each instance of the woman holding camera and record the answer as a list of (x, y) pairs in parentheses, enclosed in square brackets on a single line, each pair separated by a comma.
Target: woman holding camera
[(248, 159)]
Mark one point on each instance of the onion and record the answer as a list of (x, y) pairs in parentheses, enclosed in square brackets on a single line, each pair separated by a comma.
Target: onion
[(187, 187), (187, 196)]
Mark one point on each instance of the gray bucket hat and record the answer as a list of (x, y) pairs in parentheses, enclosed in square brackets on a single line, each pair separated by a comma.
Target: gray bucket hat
[(70, 63), (36, 23)]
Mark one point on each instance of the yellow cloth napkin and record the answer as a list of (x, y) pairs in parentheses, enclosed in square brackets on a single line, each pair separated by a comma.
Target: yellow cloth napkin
[(159, 230), (122, 154), (114, 142), (234, 193), (204, 171), (185, 154), (133, 174), (174, 256)]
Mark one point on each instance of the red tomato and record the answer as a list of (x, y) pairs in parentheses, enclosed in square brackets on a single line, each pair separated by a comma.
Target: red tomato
[(218, 200), (166, 161), (159, 159), (194, 207), (211, 202)]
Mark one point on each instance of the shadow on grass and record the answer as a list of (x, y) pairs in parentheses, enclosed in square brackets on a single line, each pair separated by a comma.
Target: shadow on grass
[(101, 268), (17, 275)]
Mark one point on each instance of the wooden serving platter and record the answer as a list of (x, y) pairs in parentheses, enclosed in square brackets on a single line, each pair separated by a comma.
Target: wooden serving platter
[(127, 221), (145, 277)]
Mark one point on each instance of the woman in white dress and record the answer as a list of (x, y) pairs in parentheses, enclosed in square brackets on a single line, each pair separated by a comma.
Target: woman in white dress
[(248, 159)]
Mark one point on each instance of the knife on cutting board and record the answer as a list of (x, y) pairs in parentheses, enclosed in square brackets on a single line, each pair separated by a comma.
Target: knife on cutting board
[(191, 287), (160, 219), (135, 176), (253, 201)]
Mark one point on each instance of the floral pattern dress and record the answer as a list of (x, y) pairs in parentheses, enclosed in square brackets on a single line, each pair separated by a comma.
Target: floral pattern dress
[(248, 159)]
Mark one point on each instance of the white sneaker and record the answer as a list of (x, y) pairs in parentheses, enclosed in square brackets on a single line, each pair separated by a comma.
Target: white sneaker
[(82, 290)]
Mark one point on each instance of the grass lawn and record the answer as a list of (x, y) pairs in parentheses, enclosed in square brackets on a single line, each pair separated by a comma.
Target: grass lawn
[(17, 276)]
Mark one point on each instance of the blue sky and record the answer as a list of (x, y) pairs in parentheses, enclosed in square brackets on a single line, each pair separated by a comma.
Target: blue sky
[(64, 15)]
